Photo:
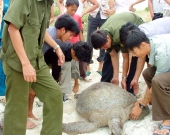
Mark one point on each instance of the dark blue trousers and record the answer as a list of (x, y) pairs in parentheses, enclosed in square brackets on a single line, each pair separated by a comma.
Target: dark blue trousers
[(107, 71)]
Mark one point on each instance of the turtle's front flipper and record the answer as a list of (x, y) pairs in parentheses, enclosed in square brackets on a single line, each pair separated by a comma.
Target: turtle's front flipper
[(115, 126), (79, 127)]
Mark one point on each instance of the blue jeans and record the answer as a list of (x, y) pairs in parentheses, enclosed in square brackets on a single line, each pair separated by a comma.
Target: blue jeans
[(93, 24)]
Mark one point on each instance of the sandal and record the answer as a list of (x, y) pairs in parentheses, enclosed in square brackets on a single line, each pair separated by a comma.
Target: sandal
[(88, 73), (100, 72), (160, 127)]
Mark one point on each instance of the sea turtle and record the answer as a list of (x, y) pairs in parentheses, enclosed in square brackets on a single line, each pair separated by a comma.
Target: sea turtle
[(103, 104)]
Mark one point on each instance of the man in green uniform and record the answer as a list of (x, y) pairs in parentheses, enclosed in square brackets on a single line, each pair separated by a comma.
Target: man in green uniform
[(108, 38), (24, 66)]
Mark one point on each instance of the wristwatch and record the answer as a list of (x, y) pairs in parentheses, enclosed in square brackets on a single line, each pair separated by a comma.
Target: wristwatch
[(141, 106), (57, 46)]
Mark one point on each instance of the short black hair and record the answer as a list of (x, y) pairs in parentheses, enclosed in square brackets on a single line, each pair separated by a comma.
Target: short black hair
[(134, 39), (72, 2), (123, 32), (68, 23), (98, 38), (83, 51)]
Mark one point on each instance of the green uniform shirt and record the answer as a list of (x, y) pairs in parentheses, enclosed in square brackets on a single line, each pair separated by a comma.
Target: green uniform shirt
[(31, 17), (113, 25)]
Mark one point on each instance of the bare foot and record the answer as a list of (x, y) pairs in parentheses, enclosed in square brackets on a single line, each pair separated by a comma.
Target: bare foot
[(76, 88), (30, 124), (31, 115)]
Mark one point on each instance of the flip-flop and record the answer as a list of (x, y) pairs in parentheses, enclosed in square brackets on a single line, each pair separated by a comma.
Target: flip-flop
[(88, 73), (100, 72), (163, 127)]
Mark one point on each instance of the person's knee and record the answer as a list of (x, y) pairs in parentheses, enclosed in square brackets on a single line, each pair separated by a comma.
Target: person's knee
[(156, 81), (145, 73), (55, 96)]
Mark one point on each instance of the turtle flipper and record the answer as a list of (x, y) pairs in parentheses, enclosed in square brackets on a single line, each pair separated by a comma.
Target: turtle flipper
[(79, 127), (115, 126)]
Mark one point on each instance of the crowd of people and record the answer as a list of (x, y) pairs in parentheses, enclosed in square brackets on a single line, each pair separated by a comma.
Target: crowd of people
[(30, 46)]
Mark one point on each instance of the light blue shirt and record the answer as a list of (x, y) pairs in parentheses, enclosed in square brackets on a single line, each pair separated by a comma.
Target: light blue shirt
[(160, 53), (156, 27)]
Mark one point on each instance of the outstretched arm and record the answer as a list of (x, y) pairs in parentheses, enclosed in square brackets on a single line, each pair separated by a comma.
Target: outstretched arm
[(53, 44), (168, 2), (136, 110), (52, 14), (115, 64), (60, 6), (139, 68), (125, 69), (91, 8), (150, 6)]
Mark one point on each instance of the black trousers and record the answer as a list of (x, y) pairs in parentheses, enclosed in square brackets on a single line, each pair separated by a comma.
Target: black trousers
[(107, 71)]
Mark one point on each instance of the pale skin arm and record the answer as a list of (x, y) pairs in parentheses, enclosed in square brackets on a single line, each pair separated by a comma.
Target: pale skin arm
[(134, 3), (52, 43), (52, 14), (29, 72), (60, 6), (136, 110), (125, 69), (81, 36), (139, 68), (168, 2), (111, 9), (115, 64), (95, 5), (150, 6)]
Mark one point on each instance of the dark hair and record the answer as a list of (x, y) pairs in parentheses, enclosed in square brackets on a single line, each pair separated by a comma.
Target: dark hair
[(123, 32), (72, 2), (68, 23), (82, 51), (98, 38), (134, 39)]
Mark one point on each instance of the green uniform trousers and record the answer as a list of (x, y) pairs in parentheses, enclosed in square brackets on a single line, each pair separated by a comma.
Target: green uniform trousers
[(16, 110)]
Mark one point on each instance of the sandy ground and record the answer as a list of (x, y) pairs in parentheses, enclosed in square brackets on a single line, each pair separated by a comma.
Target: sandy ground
[(142, 127)]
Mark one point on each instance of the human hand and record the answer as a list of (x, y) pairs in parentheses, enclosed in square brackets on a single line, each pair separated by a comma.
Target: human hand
[(135, 85), (109, 12), (31, 93), (131, 8), (82, 14), (29, 73), (135, 112), (115, 81), (61, 57), (123, 84)]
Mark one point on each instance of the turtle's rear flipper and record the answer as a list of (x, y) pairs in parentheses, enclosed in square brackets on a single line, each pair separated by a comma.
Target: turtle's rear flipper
[(79, 127)]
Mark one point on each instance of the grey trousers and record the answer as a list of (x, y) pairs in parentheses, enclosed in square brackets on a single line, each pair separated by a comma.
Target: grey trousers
[(160, 93), (65, 78)]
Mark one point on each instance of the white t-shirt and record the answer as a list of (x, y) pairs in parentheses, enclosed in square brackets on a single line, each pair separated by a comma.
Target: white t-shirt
[(122, 5), (158, 6), (103, 5)]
